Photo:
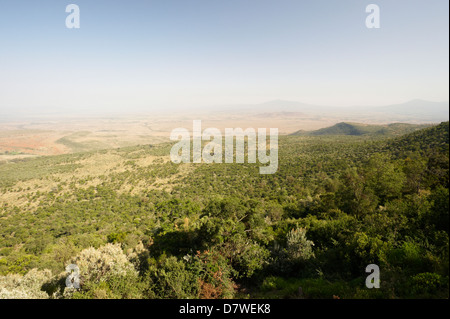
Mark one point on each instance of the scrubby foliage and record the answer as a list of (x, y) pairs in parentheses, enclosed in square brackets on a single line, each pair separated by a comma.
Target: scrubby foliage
[(28, 286), (160, 230), (102, 264)]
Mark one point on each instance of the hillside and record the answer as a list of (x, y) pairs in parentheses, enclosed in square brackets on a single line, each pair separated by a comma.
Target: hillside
[(336, 204), (358, 129), (434, 138)]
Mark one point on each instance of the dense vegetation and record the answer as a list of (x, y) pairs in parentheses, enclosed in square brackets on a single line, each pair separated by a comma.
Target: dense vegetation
[(159, 230), (357, 129)]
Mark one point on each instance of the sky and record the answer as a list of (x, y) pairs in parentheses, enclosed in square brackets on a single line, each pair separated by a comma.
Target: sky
[(169, 54)]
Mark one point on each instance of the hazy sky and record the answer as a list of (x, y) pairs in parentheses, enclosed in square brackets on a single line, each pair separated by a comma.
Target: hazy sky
[(156, 54)]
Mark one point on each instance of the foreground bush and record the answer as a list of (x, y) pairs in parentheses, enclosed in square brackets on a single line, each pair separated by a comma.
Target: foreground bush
[(102, 264), (29, 286), (105, 273)]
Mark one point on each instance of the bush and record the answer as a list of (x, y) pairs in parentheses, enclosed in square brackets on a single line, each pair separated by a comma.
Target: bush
[(106, 272), (102, 264), (169, 279), (29, 286), (117, 287), (214, 274), (297, 253), (426, 283), (298, 246), (116, 237)]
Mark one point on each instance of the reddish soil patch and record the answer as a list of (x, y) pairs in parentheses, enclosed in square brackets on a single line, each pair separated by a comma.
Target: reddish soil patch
[(36, 144)]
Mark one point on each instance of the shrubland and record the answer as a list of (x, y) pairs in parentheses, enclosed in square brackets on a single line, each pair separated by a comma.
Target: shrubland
[(153, 229)]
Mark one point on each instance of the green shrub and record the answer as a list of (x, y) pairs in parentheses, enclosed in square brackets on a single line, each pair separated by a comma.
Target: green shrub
[(169, 279), (426, 283), (299, 248), (114, 238)]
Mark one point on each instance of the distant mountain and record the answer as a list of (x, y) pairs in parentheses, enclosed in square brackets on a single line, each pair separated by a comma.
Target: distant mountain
[(290, 106), (357, 129), (427, 110), (273, 106), (415, 111), (414, 106), (283, 114)]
